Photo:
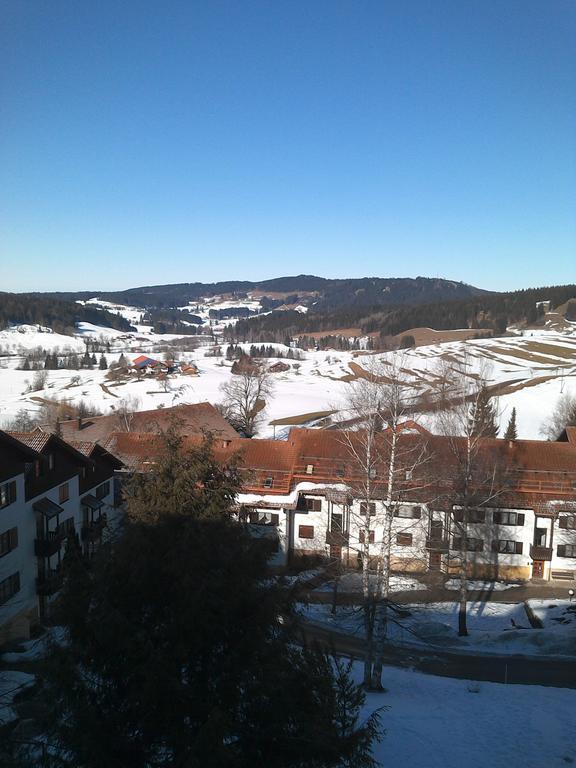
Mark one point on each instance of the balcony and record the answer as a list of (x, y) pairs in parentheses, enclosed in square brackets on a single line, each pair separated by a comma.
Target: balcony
[(540, 553), (337, 538), (436, 544), (49, 584), (49, 544), (93, 530)]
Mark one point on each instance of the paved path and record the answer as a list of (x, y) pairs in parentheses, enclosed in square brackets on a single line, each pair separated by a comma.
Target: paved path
[(499, 669)]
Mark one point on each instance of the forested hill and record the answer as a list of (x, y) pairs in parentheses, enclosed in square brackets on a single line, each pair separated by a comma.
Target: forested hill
[(306, 289), (61, 316), (487, 311)]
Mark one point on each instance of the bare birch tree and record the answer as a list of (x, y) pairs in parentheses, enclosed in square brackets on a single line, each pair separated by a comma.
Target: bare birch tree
[(380, 404), (473, 476)]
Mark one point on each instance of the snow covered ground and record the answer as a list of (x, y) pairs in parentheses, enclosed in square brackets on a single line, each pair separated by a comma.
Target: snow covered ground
[(534, 369), (351, 583), (494, 628), (436, 722), (12, 683)]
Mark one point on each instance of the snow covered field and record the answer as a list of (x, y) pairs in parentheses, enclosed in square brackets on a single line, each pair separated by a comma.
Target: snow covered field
[(436, 722), (532, 371)]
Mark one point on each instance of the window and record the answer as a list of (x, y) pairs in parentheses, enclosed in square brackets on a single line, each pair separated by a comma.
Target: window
[(51, 461), (408, 474), (414, 513), (309, 469), (472, 545), (103, 490), (474, 515), (38, 468), (339, 471), (9, 587), (305, 531), (63, 493), (566, 550), (507, 546), (8, 541), (311, 505), (567, 521), (274, 518), (268, 482), (372, 473), (404, 539), (336, 521), (508, 518), (7, 493), (362, 536), (367, 507)]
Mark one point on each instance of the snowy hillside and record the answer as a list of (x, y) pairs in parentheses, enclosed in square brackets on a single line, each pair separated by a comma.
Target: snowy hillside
[(528, 372)]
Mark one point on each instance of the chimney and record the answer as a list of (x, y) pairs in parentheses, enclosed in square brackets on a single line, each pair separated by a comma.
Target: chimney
[(79, 423)]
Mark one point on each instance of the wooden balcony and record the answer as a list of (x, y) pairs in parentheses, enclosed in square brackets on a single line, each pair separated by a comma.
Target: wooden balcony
[(337, 538), (49, 584), (437, 545), (49, 544), (93, 531), (540, 553)]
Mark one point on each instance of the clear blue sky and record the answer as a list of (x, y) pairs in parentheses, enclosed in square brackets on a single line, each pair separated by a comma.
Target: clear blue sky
[(152, 142)]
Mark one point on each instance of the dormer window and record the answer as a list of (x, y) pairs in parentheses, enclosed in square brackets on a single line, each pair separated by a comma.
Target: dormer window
[(372, 473), (309, 469), (268, 482)]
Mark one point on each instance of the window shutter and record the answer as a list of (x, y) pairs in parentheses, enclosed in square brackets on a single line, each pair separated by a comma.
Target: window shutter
[(563, 522), (497, 517), (561, 551), (12, 492), (520, 519), (495, 546), (519, 547), (306, 532), (14, 538), (416, 513)]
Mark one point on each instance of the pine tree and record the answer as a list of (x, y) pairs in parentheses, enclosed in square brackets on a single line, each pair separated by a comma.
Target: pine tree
[(103, 364), (483, 416), (160, 621), (511, 431)]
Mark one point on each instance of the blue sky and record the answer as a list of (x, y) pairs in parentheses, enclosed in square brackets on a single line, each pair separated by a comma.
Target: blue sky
[(154, 142)]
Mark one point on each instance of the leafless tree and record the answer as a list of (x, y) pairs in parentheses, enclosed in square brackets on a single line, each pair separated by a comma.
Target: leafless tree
[(563, 415), (380, 403), (125, 411), (245, 396), (473, 477)]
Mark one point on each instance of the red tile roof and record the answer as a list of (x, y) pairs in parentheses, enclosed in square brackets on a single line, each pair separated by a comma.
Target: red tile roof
[(191, 419)]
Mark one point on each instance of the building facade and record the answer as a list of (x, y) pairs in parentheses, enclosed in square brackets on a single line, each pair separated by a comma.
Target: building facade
[(50, 491)]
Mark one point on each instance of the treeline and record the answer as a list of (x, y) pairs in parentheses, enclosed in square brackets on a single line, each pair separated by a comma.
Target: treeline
[(60, 316), (493, 312), (172, 321), (52, 361), (234, 352)]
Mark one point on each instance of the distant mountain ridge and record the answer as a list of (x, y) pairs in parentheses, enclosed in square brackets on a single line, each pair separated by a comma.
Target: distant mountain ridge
[(309, 290)]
